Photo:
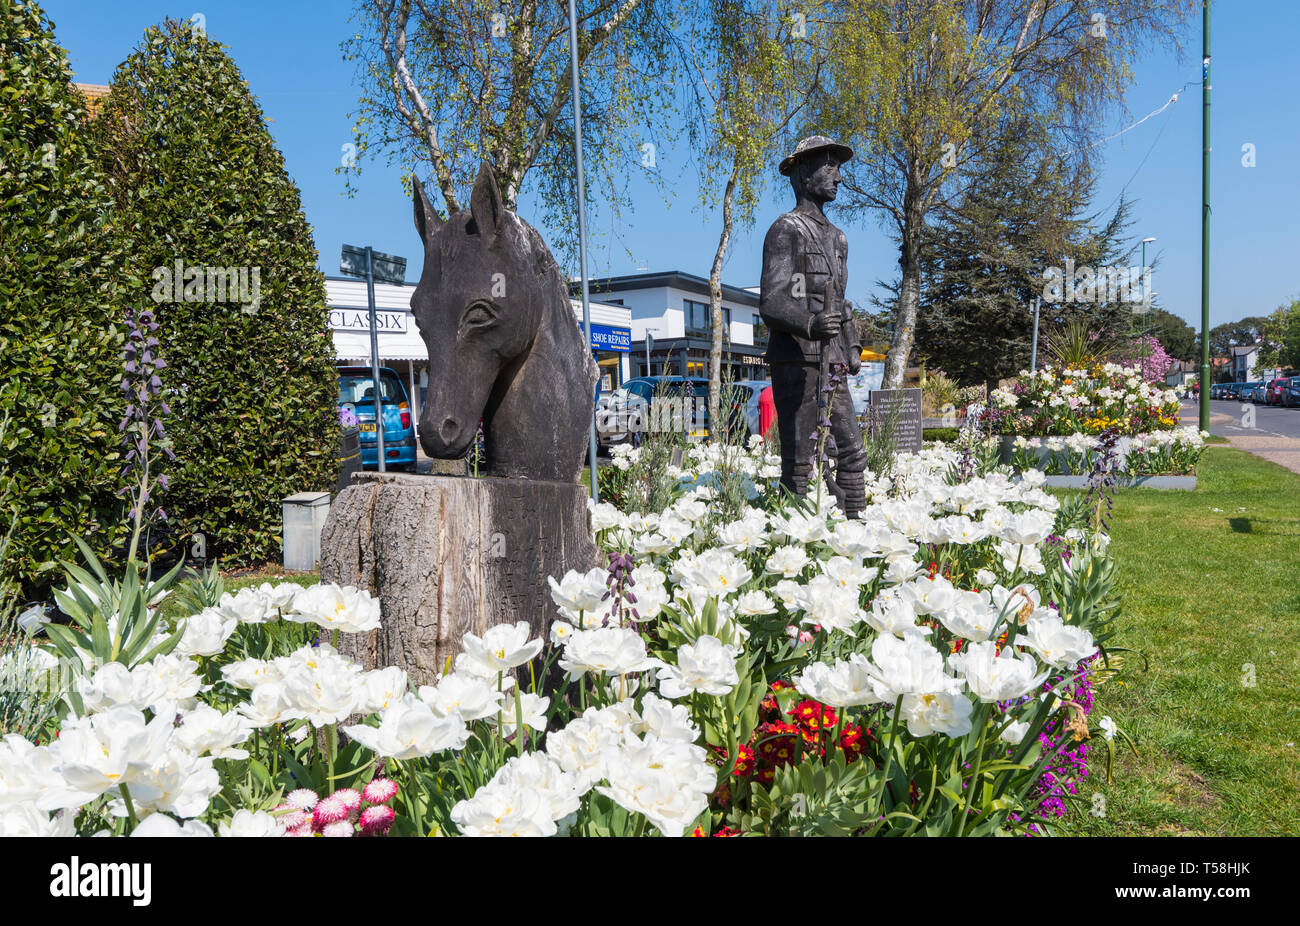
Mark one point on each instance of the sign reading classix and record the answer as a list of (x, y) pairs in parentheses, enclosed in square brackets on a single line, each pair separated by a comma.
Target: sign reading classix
[(356, 320)]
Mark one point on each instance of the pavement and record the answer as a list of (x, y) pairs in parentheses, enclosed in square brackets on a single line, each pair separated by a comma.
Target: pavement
[(1269, 432)]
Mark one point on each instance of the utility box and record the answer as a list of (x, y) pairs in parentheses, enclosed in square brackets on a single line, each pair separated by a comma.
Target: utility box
[(304, 517)]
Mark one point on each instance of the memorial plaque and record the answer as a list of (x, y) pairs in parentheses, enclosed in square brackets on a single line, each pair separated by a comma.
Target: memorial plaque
[(903, 408)]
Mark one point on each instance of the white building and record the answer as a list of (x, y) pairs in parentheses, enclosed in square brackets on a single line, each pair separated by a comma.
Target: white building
[(402, 349), (672, 308), (1244, 358)]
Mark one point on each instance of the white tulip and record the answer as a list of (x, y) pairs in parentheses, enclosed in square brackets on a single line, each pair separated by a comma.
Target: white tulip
[(410, 729), (708, 666)]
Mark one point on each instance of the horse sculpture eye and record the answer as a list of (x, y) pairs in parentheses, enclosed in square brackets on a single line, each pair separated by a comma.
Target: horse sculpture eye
[(478, 315)]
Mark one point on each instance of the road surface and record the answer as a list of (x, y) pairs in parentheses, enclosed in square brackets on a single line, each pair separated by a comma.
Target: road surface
[(1266, 431)]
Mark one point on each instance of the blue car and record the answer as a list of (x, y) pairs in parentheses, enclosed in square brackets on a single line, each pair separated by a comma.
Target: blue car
[(357, 395)]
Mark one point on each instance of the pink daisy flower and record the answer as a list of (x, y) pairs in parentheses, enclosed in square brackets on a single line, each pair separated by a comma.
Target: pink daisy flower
[(339, 828), (330, 810), (293, 818), (303, 799), (380, 791), (376, 821), (301, 830), (350, 798)]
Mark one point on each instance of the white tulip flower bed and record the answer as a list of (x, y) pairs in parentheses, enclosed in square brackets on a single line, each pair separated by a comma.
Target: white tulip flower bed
[(944, 627)]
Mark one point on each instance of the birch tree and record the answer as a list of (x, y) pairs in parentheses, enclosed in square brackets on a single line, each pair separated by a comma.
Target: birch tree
[(921, 88), (449, 84), (756, 72)]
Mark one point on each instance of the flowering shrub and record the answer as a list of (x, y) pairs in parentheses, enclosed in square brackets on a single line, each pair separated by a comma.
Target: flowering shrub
[(1155, 453), (786, 671), (1064, 401), (1147, 355)]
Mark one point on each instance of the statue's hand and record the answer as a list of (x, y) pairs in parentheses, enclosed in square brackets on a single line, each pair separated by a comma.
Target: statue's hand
[(855, 363), (824, 326)]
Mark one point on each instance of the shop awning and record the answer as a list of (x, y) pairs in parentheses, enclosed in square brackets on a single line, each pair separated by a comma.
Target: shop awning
[(355, 345)]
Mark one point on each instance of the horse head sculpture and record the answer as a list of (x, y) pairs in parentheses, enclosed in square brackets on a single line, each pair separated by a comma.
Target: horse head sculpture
[(504, 347)]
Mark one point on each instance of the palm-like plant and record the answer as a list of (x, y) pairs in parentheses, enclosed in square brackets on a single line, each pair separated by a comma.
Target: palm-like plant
[(1076, 346)]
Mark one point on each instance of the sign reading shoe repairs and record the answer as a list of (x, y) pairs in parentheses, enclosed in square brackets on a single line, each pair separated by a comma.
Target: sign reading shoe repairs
[(356, 320)]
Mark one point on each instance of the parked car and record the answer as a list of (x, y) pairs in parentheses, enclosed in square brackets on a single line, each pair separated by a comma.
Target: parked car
[(626, 414), (744, 407), (1216, 390), (1293, 392), (357, 395), (1275, 392)]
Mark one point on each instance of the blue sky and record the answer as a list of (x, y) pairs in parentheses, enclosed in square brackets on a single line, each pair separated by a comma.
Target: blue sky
[(289, 53)]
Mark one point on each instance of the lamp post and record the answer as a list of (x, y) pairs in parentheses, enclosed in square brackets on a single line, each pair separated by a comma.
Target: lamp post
[(1144, 337), (649, 346), (1205, 219), (582, 224), (1033, 350), (1146, 306), (386, 268)]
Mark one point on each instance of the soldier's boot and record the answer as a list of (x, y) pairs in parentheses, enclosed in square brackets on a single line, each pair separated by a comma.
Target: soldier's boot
[(854, 490), (797, 481)]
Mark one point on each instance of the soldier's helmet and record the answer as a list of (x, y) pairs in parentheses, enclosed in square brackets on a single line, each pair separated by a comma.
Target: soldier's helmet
[(811, 145)]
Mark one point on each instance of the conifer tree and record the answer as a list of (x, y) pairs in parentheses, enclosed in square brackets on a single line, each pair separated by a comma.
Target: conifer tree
[(226, 259)]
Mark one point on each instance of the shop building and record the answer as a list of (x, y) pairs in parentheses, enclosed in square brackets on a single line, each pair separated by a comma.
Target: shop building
[(402, 349), (671, 326)]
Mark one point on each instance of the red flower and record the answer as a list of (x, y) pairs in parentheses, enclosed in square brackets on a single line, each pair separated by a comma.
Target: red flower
[(722, 796), (745, 761), (777, 742), (813, 715), (727, 831), (851, 741), (698, 831)]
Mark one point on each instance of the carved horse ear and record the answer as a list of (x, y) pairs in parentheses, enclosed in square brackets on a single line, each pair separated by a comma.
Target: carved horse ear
[(427, 221), (486, 206)]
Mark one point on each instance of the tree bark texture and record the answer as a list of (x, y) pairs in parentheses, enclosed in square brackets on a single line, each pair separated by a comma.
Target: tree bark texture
[(909, 297), (448, 556)]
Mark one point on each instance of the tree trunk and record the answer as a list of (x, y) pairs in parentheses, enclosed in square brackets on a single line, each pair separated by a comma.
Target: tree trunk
[(717, 426), (448, 556), (909, 293)]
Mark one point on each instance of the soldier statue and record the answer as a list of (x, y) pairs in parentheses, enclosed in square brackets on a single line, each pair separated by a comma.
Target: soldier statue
[(812, 334)]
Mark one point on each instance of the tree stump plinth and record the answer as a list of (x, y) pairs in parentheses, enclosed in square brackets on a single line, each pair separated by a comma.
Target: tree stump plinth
[(448, 556)]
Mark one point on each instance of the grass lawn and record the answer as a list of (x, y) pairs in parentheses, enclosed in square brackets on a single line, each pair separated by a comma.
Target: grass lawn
[(272, 574), (1211, 587)]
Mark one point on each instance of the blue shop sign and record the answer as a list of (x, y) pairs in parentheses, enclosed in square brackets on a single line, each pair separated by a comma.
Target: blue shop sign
[(604, 337)]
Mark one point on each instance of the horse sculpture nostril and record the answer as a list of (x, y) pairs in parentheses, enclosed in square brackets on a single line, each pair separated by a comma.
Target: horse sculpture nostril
[(448, 429)]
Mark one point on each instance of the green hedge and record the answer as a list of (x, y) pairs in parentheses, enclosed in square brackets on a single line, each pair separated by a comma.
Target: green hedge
[(60, 345), (197, 178), (943, 434)]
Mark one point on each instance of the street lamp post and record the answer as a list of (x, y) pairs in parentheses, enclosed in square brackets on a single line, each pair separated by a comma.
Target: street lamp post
[(576, 96), (649, 346), (1146, 307), (1033, 350), (1205, 219), (386, 268)]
